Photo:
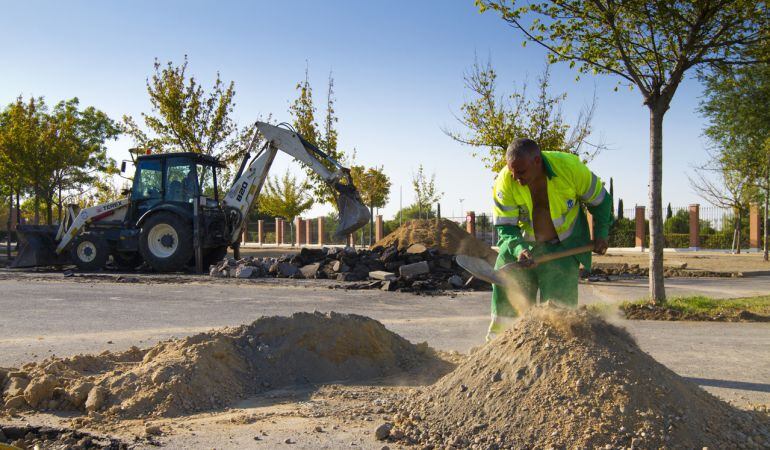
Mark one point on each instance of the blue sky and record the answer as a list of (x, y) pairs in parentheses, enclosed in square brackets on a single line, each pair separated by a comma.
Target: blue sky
[(398, 69)]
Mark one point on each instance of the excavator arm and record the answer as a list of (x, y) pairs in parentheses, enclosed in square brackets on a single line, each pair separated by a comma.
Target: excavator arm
[(250, 179)]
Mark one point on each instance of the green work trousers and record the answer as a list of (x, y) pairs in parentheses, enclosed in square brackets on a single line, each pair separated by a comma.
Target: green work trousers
[(557, 281)]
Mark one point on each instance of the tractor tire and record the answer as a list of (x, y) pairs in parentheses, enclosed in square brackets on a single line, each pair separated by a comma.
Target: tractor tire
[(213, 256), (89, 252), (127, 261), (166, 242)]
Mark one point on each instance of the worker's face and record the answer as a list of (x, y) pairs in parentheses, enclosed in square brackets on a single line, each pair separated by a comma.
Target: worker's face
[(525, 169)]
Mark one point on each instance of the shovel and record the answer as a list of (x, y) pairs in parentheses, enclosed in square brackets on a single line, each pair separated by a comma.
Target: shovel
[(482, 270)]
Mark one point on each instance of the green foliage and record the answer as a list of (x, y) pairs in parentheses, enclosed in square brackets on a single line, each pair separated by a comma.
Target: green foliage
[(303, 112), (425, 191), (677, 223), (622, 233), (54, 155), (620, 208), (285, 197), (493, 120), (184, 117), (372, 184), (710, 306)]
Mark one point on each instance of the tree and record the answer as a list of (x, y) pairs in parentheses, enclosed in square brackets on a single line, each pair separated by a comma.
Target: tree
[(669, 211), (425, 190), (735, 104), (374, 187), (650, 45), (494, 120), (184, 117), (620, 208), (733, 191), (303, 112), (285, 197), (57, 153), (677, 223), (612, 196)]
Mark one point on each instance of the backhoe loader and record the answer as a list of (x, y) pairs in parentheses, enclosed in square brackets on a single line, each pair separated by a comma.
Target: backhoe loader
[(174, 215)]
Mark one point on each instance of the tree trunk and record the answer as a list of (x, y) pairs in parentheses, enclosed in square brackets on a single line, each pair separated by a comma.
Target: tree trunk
[(36, 202), (10, 216), (738, 233), (657, 288), (764, 222), (60, 205)]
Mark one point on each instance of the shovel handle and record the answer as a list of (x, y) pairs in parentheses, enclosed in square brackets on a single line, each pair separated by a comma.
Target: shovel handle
[(564, 253)]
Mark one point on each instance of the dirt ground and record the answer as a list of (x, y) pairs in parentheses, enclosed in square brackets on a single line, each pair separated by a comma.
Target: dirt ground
[(747, 263)]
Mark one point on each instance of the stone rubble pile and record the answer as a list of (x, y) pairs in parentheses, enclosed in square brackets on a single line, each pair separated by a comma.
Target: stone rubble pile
[(414, 269)]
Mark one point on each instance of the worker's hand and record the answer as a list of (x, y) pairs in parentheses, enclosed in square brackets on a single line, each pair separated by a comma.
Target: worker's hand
[(526, 259), (600, 246)]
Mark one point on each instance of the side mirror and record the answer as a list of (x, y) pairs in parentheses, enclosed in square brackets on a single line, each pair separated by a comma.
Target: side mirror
[(123, 167)]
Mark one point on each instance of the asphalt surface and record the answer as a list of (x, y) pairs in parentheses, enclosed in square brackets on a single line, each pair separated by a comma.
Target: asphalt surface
[(42, 316)]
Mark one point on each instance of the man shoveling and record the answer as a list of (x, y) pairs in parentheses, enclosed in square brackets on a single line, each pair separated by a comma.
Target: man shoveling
[(537, 211)]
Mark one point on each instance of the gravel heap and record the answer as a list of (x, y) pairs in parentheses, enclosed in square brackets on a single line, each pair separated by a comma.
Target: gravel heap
[(416, 268), (567, 379), (214, 369)]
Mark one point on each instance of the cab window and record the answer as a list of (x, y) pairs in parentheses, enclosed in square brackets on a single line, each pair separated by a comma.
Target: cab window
[(181, 181), (149, 179)]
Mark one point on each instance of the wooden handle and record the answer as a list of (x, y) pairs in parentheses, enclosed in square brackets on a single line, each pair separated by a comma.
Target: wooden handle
[(564, 253)]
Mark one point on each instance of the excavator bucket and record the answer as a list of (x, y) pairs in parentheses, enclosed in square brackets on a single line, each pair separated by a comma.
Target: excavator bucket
[(37, 247), (353, 213)]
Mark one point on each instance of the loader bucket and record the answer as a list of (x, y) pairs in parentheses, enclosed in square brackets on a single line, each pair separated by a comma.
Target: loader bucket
[(353, 213), (37, 247)]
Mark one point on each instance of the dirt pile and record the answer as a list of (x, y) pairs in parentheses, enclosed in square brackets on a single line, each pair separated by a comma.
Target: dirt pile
[(443, 234), (212, 370), (566, 379), (679, 271)]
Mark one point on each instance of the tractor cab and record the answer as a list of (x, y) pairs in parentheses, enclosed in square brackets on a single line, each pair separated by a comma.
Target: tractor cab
[(174, 179)]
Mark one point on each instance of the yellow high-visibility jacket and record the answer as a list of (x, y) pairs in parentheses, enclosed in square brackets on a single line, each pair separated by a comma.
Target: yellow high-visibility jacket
[(570, 185)]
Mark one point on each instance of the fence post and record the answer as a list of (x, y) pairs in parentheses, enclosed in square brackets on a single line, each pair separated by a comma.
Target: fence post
[(245, 232), (299, 231), (470, 223), (754, 227), (640, 227), (260, 231), (278, 231), (321, 231), (308, 232), (694, 226), (378, 228)]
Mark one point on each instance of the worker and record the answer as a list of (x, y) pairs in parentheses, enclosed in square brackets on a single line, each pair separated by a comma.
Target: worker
[(538, 198)]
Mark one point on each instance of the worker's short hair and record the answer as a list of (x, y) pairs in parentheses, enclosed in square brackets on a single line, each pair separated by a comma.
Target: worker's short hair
[(522, 147)]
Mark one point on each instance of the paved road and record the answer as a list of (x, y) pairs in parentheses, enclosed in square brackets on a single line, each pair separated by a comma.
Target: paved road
[(56, 316)]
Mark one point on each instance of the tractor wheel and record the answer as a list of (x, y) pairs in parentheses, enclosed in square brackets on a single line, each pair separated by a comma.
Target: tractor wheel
[(165, 242), (213, 256), (89, 251), (127, 261)]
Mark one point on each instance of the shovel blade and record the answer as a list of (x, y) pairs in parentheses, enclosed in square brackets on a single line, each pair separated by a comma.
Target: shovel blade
[(479, 268), (37, 247), (352, 212)]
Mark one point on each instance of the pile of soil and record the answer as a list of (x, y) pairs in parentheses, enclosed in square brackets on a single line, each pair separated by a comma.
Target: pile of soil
[(212, 370), (442, 234), (663, 312), (567, 379), (28, 436)]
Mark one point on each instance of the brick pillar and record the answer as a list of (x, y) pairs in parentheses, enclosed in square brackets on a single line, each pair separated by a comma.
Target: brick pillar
[(279, 231), (308, 232), (299, 230), (755, 222), (694, 226), (321, 231), (351, 240), (640, 231), (379, 230), (260, 231), (590, 219), (470, 223), (245, 232)]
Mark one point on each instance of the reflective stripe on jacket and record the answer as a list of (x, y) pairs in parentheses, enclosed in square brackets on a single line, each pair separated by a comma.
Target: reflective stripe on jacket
[(569, 182)]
